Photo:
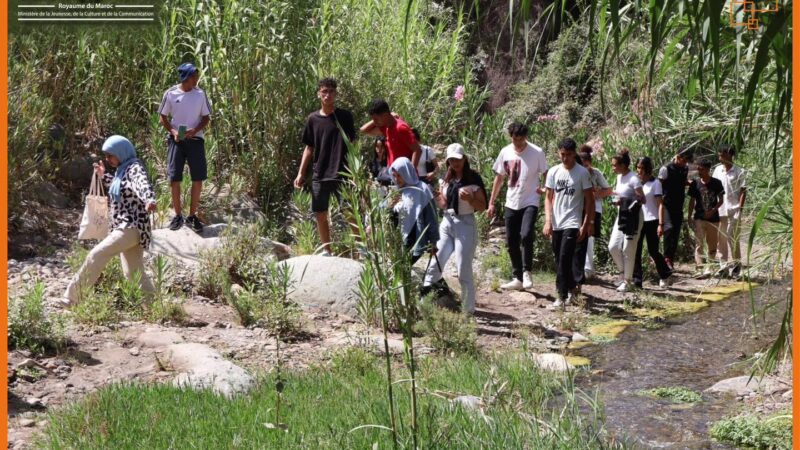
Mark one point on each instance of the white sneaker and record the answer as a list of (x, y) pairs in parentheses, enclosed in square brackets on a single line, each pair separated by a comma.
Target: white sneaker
[(513, 285), (527, 282), (666, 282), (325, 253), (558, 304), (624, 287), (570, 299)]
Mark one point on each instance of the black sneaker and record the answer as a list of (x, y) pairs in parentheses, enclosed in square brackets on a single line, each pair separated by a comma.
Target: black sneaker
[(194, 224), (176, 223)]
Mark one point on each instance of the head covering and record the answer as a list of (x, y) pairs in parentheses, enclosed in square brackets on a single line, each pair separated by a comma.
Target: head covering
[(455, 151), (122, 148), (186, 70), (415, 195)]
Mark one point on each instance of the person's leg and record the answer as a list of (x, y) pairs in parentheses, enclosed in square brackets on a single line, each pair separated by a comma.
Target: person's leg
[(615, 244), (712, 233), (557, 254), (513, 220), (445, 248), (566, 260), (629, 249), (527, 234), (116, 242), (699, 239), (638, 270), (651, 234), (132, 263), (673, 235), (723, 239), (734, 232), (320, 201), (579, 261), (464, 245), (176, 159), (588, 267), (176, 197), (197, 188)]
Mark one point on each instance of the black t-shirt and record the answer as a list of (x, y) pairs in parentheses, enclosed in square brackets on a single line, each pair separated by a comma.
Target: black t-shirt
[(330, 151), (673, 184), (706, 197)]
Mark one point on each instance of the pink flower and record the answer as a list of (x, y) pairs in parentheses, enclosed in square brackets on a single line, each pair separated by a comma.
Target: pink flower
[(459, 95), (547, 118)]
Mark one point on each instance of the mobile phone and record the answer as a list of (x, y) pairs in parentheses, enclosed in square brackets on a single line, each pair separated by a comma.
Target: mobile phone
[(181, 132)]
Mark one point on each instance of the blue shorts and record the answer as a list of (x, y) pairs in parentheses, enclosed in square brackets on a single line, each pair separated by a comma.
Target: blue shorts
[(192, 151)]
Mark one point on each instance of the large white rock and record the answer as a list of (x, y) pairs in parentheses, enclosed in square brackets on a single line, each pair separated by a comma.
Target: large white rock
[(552, 362), (202, 367), (185, 246), (744, 385), (158, 339), (325, 282)]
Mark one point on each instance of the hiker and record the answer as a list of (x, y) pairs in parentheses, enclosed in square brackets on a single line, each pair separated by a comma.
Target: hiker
[(705, 198), (185, 112), (461, 195), (601, 190), (378, 167), (568, 217), (400, 141), (416, 214), (427, 166), (326, 146), (131, 201), (653, 227), (523, 163), (674, 179), (625, 234), (733, 181)]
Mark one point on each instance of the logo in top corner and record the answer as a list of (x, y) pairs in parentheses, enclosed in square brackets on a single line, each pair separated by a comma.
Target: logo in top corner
[(751, 11)]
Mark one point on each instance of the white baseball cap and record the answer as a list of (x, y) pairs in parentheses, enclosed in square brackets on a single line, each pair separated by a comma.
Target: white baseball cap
[(455, 151)]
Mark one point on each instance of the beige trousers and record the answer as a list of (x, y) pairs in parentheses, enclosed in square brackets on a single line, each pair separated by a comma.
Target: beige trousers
[(729, 239), (705, 231), (123, 242)]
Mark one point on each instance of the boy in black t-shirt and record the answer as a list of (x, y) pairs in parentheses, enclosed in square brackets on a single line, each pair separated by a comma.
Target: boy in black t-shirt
[(705, 198), (325, 144)]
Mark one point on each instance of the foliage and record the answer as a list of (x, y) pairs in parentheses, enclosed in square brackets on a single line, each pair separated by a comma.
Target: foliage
[(95, 309), (448, 332), (675, 394), (30, 327), (753, 432)]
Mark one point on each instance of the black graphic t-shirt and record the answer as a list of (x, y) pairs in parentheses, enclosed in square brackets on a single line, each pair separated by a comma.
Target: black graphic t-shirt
[(330, 150), (706, 196)]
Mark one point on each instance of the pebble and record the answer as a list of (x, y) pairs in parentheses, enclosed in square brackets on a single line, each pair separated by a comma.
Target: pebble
[(34, 401), (27, 423), (27, 364), (134, 351)]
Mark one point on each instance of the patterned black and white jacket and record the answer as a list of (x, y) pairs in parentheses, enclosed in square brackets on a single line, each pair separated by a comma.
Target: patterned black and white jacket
[(131, 209)]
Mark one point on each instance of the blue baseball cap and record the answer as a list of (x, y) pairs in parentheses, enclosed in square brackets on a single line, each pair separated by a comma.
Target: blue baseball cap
[(186, 70)]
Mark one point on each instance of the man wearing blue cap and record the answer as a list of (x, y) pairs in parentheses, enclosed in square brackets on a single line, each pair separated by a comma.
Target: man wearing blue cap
[(185, 112)]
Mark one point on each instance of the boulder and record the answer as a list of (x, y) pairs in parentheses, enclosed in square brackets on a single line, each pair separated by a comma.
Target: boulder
[(48, 194), (77, 171), (552, 362), (744, 385), (201, 367), (156, 339), (325, 282)]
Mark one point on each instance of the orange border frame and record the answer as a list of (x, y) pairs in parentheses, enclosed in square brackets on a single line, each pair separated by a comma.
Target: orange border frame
[(4, 215)]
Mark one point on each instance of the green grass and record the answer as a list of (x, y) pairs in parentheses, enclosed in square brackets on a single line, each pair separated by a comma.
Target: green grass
[(323, 407), (30, 327), (675, 394), (753, 432)]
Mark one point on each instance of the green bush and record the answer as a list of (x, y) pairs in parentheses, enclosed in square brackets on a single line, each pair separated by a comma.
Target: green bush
[(95, 309), (752, 432), (674, 394), (30, 327), (448, 332)]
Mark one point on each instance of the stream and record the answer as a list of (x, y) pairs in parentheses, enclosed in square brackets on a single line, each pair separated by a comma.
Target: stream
[(693, 351)]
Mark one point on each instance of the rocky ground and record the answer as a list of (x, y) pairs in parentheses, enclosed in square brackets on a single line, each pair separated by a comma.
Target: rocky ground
[(145, 352)]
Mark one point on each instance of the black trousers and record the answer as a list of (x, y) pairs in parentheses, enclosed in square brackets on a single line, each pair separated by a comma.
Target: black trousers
[(580, 252), (520, 229), (672, 237), (649, 232), (565, 243)]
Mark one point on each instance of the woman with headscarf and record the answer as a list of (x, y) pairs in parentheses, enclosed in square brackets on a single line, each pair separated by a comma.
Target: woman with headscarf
[(462, 195), (131, 201), (416, 215)]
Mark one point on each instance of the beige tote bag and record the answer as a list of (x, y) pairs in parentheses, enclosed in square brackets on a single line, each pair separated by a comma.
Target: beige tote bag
[(94, 223)]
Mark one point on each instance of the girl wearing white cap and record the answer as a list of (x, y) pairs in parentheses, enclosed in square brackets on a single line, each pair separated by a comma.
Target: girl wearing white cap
[(461, 195)]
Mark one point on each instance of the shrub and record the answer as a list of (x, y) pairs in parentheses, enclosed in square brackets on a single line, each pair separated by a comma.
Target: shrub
[(675, 394), (96, 309), (353, 360), (29, 327), (749, 431), (448, 332)]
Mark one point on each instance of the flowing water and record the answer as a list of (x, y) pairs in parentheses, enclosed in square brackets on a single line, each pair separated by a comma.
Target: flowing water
[(693, 351)]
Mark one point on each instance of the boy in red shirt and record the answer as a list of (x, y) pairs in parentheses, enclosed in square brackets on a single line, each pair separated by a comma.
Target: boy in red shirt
[(400, 141)]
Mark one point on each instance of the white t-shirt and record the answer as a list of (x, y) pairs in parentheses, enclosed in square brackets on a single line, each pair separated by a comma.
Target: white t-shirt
[(598, 180), (733, 181), (626, 185), (568, 186), (523, 171), (185, 108), (426, 154), (463, 206), (652, 189)]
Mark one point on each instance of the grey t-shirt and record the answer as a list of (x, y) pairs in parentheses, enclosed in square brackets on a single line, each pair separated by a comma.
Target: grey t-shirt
[(568, 186)]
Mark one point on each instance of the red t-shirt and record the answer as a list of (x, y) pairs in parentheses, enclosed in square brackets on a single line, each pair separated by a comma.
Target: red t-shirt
[(399, 140)]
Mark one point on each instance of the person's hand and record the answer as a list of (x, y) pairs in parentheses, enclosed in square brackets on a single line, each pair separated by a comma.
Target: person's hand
[(490, 211), (690, 221), (660, 230), (298, 182), (585, 231), (709, 214), (396, 116), (430, 177), (151, 207), (174, 134), (548, 229), (99, 169), (540, 190), (434, 250), (190, 133), (465, 195)]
